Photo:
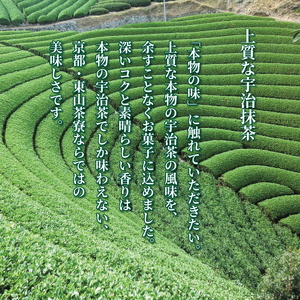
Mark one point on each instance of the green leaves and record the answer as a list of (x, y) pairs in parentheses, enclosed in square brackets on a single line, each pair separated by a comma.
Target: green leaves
[(282, 278)]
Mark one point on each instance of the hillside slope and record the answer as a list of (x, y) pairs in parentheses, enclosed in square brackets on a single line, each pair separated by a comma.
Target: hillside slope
[(51, 242)]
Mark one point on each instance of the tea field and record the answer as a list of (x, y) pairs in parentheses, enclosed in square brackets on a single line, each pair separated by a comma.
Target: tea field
[(16, 12), (54, 245)]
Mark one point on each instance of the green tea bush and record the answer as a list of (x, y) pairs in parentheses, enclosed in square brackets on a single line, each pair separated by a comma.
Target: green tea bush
[(53, 14), (65, 14), (68, 12), (137, 3), (271, 68), (263, 190), (280, 207), (98, 11), (4, 17), (27, 3), (274, 144), (21, 64), (293, 222), (229, 160), (44, 20), (4, 58), (36, 7), (84, 9), (12, 33), (116, 6), (15, 14), (41, 15), (282, 278), (101, 2), (278, 131), (9, 80), (27, 36), (243, 176)]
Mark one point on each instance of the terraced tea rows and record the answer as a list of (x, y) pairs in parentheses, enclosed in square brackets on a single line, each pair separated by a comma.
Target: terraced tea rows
[(10, 13), (48, 11), (238, 241)]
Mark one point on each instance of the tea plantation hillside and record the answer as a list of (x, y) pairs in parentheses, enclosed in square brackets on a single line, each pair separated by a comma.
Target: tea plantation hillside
[(16, 12), (57, 246)]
